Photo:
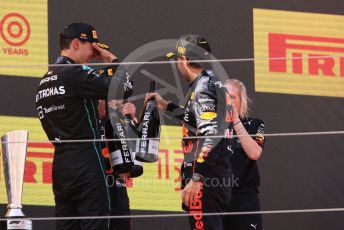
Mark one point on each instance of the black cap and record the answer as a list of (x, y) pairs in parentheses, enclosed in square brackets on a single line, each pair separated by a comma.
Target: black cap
[(192, 46), (83, 32)]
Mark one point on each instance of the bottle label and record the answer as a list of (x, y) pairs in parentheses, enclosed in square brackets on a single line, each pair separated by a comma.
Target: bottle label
[(137, 149), (124, 144), (116, 157), (143, 146), (153, 147), (145, 123)]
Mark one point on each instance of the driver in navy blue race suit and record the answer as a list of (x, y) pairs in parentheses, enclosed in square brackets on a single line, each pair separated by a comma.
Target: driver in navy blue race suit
[(246, 150), (119, 194), (206, 170), (117, 184), (66, 101)]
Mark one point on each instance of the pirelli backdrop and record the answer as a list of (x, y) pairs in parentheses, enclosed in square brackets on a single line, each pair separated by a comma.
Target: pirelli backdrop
[(296, 82)]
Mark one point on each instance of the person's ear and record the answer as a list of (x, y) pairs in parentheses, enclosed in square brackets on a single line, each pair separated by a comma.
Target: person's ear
[(184, 60), (75, 43)]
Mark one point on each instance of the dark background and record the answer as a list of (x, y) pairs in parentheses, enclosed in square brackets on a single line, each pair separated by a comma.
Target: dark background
[(298, 172)]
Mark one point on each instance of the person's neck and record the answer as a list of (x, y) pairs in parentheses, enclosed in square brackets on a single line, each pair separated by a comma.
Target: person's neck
[(194, 73), (69, 54)]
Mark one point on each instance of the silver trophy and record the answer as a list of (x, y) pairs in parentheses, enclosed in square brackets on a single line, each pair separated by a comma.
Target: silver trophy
[(14, 146)]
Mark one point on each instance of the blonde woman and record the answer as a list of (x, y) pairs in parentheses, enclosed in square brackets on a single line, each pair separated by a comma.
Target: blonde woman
[(245, 149)]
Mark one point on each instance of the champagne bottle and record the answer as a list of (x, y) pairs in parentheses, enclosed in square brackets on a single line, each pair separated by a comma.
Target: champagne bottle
[(135, 170), (148, 150), (119, 151), (117, 126), (131, 130)]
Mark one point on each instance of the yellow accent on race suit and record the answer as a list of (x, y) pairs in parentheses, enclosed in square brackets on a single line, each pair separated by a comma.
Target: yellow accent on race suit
[(208, 115)]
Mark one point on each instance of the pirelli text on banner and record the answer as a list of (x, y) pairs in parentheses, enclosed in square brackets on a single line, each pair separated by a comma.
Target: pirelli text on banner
[(305, 58)]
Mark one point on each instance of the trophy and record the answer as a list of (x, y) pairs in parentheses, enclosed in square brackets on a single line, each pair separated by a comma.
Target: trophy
[(14, 153)]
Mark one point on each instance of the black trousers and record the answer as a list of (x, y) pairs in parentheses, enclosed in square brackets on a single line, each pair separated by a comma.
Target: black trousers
[(242, 202), (120, 204), (214, 196), (80, 189)]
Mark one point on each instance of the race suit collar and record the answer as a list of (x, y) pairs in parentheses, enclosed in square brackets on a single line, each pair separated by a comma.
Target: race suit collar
[(203, 73), (64, 59)]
